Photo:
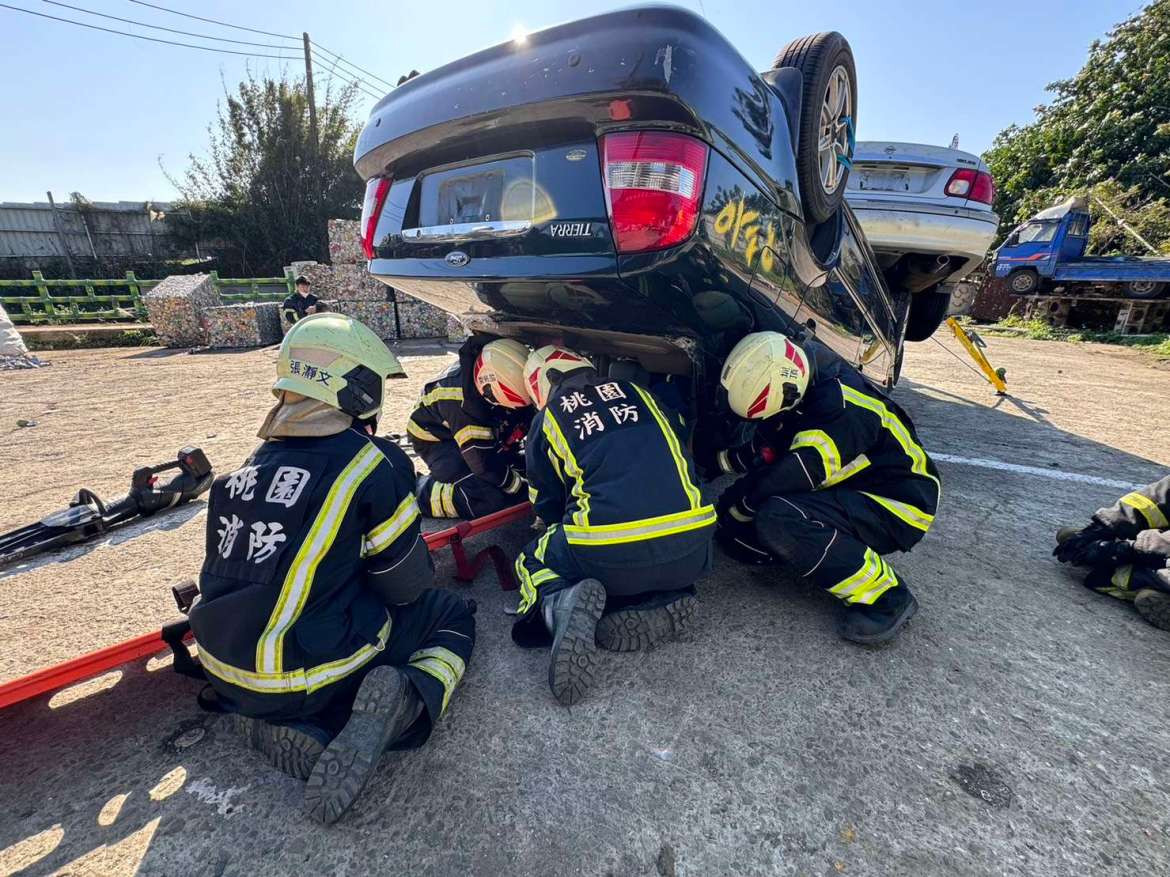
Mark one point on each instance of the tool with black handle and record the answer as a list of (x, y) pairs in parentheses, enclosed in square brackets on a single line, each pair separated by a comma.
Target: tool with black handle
[(88, 517)]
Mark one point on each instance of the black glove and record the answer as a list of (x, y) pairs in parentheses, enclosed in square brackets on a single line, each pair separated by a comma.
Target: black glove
[(1068, 550), (739, 543), (732, 507)]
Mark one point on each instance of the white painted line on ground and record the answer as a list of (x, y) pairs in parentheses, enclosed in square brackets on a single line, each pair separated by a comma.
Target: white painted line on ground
[(1056, 474)]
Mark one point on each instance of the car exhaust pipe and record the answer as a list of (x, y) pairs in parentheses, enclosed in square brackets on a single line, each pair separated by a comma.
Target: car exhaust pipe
[(916, 273)]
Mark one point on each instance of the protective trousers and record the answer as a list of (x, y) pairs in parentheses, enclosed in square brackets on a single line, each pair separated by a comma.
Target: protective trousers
[(430, 641), (549, 564), (835, 538), (452, 490)]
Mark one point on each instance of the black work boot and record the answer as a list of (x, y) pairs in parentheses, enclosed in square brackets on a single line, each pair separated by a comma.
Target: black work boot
[(880, 621), (1154, 607), (385, 706), (572, 616), (659, 617), (292, 749)]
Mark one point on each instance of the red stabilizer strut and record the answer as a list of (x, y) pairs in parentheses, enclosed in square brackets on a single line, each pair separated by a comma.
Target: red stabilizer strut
[(148, 645)]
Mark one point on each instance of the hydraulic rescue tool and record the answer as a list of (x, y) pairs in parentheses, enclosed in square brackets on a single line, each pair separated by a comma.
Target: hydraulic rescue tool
[(88, 517)]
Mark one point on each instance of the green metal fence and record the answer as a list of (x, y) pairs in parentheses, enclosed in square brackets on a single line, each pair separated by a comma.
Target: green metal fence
[(53, 302)]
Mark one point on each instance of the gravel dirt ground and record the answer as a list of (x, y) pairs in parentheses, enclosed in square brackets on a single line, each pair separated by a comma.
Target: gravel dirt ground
[(1019, 725)]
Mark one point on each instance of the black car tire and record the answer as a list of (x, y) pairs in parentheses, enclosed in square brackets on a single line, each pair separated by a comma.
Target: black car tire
[(1023, 281), (1144, 290), (818, 57), (928, 309)]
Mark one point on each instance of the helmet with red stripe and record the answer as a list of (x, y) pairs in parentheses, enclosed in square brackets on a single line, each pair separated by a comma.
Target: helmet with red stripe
[(541, 366), (499, 373), (764, 374)]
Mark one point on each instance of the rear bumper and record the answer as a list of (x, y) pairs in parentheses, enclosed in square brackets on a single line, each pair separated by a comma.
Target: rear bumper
[(954, 231)]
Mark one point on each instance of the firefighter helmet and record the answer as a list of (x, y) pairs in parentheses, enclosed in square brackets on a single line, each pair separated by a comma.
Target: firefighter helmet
[(499, 373), (336, 360), (764, 374), (548, 359)]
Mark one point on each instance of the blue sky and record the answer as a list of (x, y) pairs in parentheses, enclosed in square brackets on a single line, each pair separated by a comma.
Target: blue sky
[(97, 113)]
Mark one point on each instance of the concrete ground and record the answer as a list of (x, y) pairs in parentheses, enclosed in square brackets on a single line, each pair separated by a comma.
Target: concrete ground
[(1019, 725)]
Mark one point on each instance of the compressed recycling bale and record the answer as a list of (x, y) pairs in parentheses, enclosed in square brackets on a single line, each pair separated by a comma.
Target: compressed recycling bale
[(345, 246), (417, 319), (299, 267), (176, 307), (354, 283), (455, 331), (378, 315), (243, 325)]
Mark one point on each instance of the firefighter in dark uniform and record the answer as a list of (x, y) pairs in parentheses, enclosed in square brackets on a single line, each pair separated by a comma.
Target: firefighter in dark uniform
[(467, 428), (837, 478), (629, 531), (301, 303), (1127, 549), (316, 624)]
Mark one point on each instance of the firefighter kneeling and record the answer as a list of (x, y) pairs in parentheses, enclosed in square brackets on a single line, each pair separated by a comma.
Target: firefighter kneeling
[(467, 429), (316, 626), (628, 529), (839, 480)]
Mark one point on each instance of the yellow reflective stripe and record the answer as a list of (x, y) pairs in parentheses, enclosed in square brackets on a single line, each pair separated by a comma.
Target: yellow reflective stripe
[(542, 543), (848, 471), (444, 665), (386, 532), (637, 531), (556, 440), (680, 461), (513, 481), (532, 494), (1148, 508), (742, 517), (282, 682), (875, 589), (556, 464), (442, 394), (299, 579), (723, 459), (470, 433), (867, 584), (527, 588), (819, 441), (435, 501), (897, 429), (912, 515), (446, 500), (418, 432)]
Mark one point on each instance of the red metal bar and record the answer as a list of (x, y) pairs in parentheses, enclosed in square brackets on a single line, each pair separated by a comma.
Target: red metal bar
[(148, 645)]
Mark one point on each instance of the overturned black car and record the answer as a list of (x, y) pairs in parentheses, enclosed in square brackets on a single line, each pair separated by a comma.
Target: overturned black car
[(628, 186)]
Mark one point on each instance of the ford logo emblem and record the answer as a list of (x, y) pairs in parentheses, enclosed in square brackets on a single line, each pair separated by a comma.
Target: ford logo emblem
[(457, 258)]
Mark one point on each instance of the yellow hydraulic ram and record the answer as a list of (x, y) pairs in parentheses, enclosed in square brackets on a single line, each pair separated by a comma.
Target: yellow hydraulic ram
[(974, 347)]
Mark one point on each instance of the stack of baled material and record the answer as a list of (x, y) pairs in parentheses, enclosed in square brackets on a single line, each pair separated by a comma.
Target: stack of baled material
[(243, 325), (176, 306)]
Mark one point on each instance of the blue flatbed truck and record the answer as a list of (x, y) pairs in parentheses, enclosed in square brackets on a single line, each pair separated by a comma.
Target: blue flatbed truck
[(1047, 253)]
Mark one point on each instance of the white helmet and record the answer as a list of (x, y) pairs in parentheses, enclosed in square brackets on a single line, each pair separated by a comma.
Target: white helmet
[(541, 361), (499, 373), (764, 374)]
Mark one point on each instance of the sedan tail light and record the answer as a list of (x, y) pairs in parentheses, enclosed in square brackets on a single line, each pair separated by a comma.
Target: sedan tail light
[(376, 191), (971, 184), (653, 186)]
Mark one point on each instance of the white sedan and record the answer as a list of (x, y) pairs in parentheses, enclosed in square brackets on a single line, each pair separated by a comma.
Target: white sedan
[(926, 211)]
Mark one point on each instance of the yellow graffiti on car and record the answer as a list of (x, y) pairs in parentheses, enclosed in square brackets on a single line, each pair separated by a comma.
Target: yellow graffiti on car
[(736, 221)]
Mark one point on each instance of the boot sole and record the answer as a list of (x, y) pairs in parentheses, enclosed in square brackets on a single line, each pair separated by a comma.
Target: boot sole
[(1154, 607), (348, 763), (890, 632), (290, 751), (629, 630), (573, 662)]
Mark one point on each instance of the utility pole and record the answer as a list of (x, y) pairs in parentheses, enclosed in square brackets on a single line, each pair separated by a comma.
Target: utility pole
[(312, 98)]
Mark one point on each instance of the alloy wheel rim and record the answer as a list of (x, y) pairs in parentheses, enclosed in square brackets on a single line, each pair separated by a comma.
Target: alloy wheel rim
[(834, 144)]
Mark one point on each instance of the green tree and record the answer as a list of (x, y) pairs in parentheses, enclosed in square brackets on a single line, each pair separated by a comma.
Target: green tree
[(263, 194), (1107, 130)]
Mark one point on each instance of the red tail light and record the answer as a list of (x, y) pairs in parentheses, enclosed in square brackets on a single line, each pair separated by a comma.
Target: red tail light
[(971, 184), (653, 184), (376, 191)]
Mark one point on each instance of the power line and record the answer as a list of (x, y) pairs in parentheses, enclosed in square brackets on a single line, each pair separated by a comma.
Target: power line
[(355, 66), (356, 83), (266, 33), (347, 75), (141, 37), (185, 33)]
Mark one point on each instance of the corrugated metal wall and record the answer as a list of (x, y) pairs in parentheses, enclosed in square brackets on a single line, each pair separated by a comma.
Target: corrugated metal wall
[(101, 229)]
